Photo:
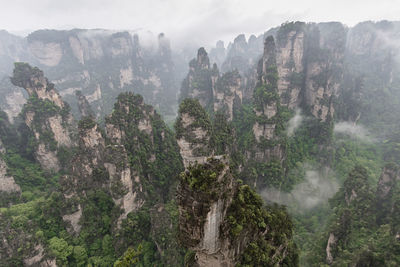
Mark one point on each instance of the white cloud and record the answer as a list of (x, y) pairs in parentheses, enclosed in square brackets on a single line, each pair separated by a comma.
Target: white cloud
[(353, 130), (294, 122), (201, 21), (317, 188)]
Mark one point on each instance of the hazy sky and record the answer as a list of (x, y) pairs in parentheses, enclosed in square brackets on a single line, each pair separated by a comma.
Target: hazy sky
[(188, 20)]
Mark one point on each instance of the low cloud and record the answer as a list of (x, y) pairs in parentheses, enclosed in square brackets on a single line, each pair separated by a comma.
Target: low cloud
[(294, 123), (317, 188), (353, 130)]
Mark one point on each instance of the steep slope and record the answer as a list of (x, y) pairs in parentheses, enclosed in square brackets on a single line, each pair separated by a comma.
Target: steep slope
[(222, 221), (46, 114), (364, 230)]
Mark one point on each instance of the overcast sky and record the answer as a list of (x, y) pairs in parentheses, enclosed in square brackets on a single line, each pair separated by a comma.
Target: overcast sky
[(203, 21)]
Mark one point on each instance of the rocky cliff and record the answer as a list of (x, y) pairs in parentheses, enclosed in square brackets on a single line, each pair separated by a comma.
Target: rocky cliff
[(225, 223), (46, 114), (7, 182), (99, 63), (220, 220), (216, 92)]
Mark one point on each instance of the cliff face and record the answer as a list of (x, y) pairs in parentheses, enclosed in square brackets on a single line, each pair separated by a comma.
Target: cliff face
[(84, 107), (99, 63), (7, 183), (193, 132), (219, 217), (309, 60), (241, 54), (267, 107), (101, 166), (126, 161), (45, 114), (216, 92)]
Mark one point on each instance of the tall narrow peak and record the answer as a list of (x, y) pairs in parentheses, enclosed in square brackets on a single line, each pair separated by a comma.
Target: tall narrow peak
[(290, 62), (83, 104), (324, 67), (266, 97), (216, 92), (46, 114), (200, 80), (193, 132), (225, 223), (150, 144), (217, 54), (100, 166)]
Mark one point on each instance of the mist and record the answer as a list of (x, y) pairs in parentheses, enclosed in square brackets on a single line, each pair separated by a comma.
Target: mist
[(294, 123), (202, 22), (318, 186), (353, 130)]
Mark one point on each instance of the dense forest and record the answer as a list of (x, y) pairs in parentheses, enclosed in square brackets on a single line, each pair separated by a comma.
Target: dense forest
[(282, 150)]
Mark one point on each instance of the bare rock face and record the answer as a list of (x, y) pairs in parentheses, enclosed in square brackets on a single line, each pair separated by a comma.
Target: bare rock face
[(84, 106), (101, 166), (193, 129), (13, 99), (200, 80), (387, 181), (201, 218), (216, 92), (45, 114), (290, 65), (209, 200), (324, 73), (267, 106), (329, 246), (227, 92), (7, 183)]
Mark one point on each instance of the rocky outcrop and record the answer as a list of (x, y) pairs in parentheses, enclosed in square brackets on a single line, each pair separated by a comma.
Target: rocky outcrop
[(193, 132), (290, 64), (227, 93), (84, 106), (331, 244), (200, 80), (46, 114), (242, 54), (267, 108), (217, 54), (210, 223), (209, 198), (92, 60), (100, 166), (140, 128), (216, 92), (7, 182)]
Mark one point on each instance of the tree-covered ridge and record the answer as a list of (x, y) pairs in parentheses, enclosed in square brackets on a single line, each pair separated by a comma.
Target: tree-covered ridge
[(357, 234), (150, 144), (192, 107), (111, 196)]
